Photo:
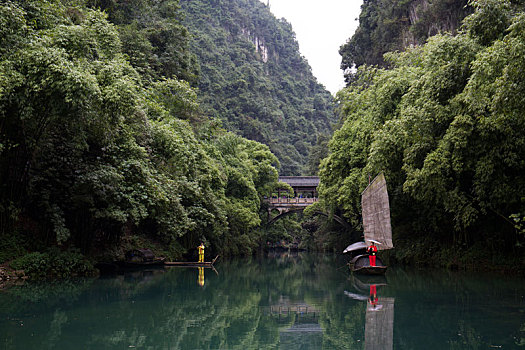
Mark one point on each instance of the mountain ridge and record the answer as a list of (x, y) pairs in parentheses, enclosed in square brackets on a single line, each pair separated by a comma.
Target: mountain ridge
[(255, 81)]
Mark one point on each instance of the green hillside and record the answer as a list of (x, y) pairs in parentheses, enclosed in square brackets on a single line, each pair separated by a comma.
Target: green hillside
[(254, 80)]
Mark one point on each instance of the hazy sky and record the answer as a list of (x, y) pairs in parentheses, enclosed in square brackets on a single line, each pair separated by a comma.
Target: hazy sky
[(321, 27)]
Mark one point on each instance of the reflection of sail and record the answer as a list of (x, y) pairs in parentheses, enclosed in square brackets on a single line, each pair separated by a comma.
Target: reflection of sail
[(376, 213), (379, 326)]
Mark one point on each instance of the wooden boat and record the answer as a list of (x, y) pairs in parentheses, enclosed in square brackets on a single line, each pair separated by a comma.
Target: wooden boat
[(377, 228), (140, 264), (137, 259), (191, 263), (361, 264)]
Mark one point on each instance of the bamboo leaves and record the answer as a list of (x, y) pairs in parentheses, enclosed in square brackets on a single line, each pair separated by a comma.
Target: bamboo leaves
[(444, 123)]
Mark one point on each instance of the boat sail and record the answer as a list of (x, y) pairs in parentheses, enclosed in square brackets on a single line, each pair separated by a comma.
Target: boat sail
[(376, 214), (377, 228)]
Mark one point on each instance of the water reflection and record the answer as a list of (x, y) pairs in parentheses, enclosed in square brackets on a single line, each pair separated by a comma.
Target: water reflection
[(300, 328), (379, 317), (200, 279), (287, 302)]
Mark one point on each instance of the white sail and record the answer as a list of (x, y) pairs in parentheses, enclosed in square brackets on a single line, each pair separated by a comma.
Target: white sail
[(376, 214)]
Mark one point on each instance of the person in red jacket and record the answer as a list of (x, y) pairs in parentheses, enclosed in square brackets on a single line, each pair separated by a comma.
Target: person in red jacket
[(372, 251)]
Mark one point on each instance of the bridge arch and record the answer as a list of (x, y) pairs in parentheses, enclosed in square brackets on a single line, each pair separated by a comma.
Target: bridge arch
[(305, 194)]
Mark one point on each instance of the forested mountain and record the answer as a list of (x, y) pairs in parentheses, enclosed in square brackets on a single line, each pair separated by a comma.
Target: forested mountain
[(254, 80), (102, 143), (445, 123), (393, 25)]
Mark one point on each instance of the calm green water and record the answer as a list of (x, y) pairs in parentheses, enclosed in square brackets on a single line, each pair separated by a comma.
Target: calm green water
[(283, 302)]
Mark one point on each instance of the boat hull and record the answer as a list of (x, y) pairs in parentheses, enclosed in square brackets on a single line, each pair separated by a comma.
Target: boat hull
[(140, 264), (189, 263), (371, 270), (361, 265)]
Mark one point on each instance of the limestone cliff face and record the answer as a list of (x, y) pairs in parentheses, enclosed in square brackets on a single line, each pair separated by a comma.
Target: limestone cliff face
[(261, 48), (427, 18), (392, 25), (259, 43)]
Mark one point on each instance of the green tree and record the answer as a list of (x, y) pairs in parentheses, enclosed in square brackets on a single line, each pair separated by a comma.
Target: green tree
[(153, 37), (444, 124), (251, 173), (96, 154)]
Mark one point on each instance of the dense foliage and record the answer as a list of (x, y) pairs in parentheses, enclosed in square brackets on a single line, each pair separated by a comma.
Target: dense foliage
[(445, 125), (153, 37), (255, 82), (111, 138), (393, 25), (101, 140)]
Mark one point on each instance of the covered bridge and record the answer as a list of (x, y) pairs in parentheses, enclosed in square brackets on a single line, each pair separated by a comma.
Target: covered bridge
[(303, 186)]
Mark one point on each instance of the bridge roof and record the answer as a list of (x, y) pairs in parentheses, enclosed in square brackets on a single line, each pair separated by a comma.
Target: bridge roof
[(300, 181)]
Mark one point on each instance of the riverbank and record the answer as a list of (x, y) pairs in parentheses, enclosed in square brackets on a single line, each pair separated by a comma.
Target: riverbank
[(54, 263), (478, 257), (9, 276)]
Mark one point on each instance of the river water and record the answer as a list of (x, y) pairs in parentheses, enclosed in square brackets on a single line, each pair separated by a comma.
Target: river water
[(281, 302)]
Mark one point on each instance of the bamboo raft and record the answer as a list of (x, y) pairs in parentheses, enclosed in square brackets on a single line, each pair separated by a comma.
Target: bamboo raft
[(191, 263)]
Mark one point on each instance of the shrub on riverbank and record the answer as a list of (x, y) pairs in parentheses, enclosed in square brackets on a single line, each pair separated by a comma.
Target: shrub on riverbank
[(428, 252), (54, 263)]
